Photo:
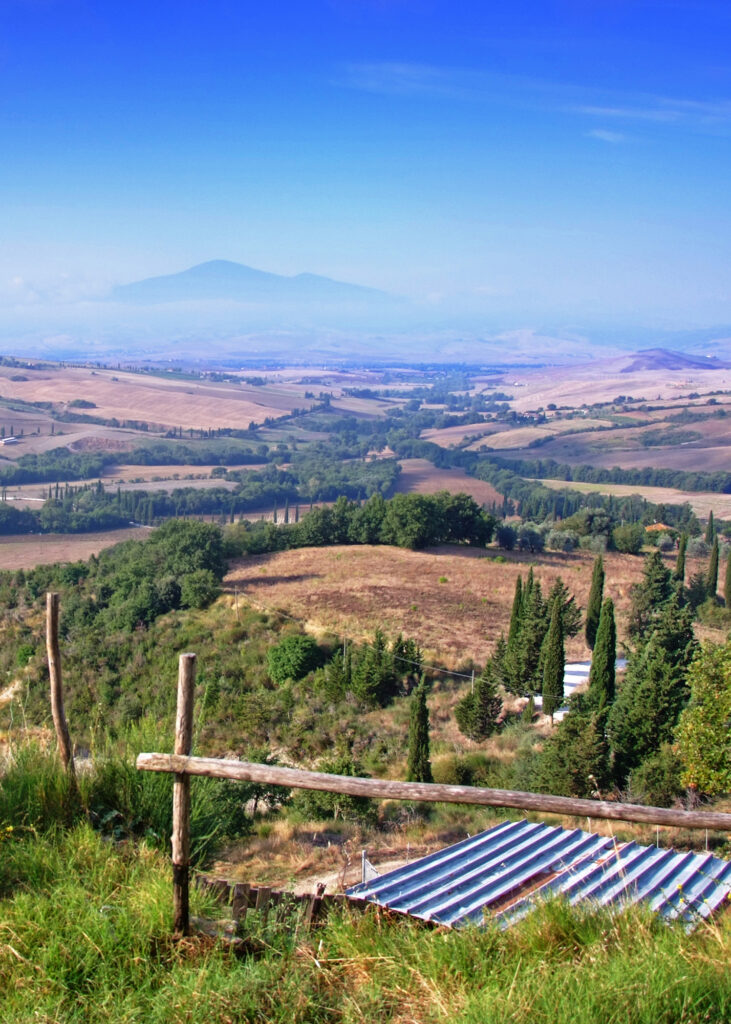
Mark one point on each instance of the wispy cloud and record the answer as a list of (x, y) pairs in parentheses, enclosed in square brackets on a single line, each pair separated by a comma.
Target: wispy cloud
[(403, 78), (606, 136), (396, 78), (708, 114)]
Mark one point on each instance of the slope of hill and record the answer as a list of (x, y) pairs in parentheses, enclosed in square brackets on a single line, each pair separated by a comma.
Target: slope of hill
[(665, 359)]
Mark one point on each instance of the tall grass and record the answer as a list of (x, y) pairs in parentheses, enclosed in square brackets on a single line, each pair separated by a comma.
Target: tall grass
[(85, 937), (118, 800), (85, 934)]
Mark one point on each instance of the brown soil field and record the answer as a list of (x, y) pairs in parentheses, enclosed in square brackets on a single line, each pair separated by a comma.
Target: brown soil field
[(421, 477), (25, 551), (353, 590), (701, 502), (155, 399)]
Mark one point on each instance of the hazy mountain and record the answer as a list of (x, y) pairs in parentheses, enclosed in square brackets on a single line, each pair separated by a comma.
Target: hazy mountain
[(222, 280)]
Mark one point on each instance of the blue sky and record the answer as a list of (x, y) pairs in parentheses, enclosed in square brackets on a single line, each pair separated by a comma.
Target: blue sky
[(532, 160)]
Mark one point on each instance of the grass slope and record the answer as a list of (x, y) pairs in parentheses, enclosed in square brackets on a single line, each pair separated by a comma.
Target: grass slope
[(85, 937)]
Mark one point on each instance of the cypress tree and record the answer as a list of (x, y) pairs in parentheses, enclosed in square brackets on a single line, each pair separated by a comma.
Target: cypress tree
[(679, 574), (601, 674), (533, 634), (553, 664), (654, 692), (594, 607), (570, 613), (517, 610), (710, 529), (650, 596), (727, 582), (418, 764), (712, 577)]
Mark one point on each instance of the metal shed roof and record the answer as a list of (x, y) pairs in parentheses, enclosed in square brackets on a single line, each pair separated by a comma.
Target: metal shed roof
[(504, 872)]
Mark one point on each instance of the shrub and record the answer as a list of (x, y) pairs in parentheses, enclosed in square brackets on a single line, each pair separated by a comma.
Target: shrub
[(293, 657), (199, 588), (657, 781), (562, 540), (697, 548), (596, 543), (629, 538), (507, 537)]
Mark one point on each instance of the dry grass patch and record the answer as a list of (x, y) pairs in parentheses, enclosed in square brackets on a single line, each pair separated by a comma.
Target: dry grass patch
[(352, 590), (25, 551), (157, 400), (519, 437), (701, 502), (419, 476)]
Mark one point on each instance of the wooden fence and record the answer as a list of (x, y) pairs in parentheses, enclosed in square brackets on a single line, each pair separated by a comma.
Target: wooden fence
[(182, 766)]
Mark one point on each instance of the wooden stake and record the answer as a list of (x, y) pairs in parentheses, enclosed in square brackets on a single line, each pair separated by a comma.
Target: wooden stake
[(181, 796), (65, 749)]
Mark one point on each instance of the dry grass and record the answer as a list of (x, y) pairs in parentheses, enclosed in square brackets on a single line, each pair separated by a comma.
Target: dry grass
[(24, 551), (701, 502), (421, 477), (522, 436), (157, 400), (449, 436), (574, 386), (354, 590)]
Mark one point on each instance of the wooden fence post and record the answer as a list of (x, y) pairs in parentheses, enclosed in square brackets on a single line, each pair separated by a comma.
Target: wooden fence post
[(181, 796), (63, 738)]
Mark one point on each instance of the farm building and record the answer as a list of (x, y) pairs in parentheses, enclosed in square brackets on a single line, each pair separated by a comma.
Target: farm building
[(501, 875)]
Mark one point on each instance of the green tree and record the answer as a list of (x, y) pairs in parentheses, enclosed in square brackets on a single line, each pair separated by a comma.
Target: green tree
[(594, 606), (293, 657), (418, 767), (477, 713), (679, 574), (703, 730), (712, 576), (727, 582), (655, 691), (710, 529), (553, 664), (516, 611), (198, 589), (570, 613), (629, 538), (575, 759), (601, 674), (650, 596)]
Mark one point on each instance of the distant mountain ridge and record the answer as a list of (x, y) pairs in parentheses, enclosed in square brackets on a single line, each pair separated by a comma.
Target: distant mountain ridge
[(666, 359), (226, 281)]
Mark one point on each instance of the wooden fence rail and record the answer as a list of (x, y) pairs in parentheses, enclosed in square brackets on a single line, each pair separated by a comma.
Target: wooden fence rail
[(182, 766), (380, 789)]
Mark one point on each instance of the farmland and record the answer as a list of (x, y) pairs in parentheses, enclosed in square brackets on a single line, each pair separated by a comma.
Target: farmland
[(701, 503), (166, 403), (25, 552), (419, 476)]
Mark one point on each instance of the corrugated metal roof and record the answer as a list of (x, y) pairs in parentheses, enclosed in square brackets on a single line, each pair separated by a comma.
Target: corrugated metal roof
[(504, 872)]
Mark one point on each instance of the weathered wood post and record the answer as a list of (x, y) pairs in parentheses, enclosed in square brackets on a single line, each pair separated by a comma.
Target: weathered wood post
[(65, 749), (181, 796)]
